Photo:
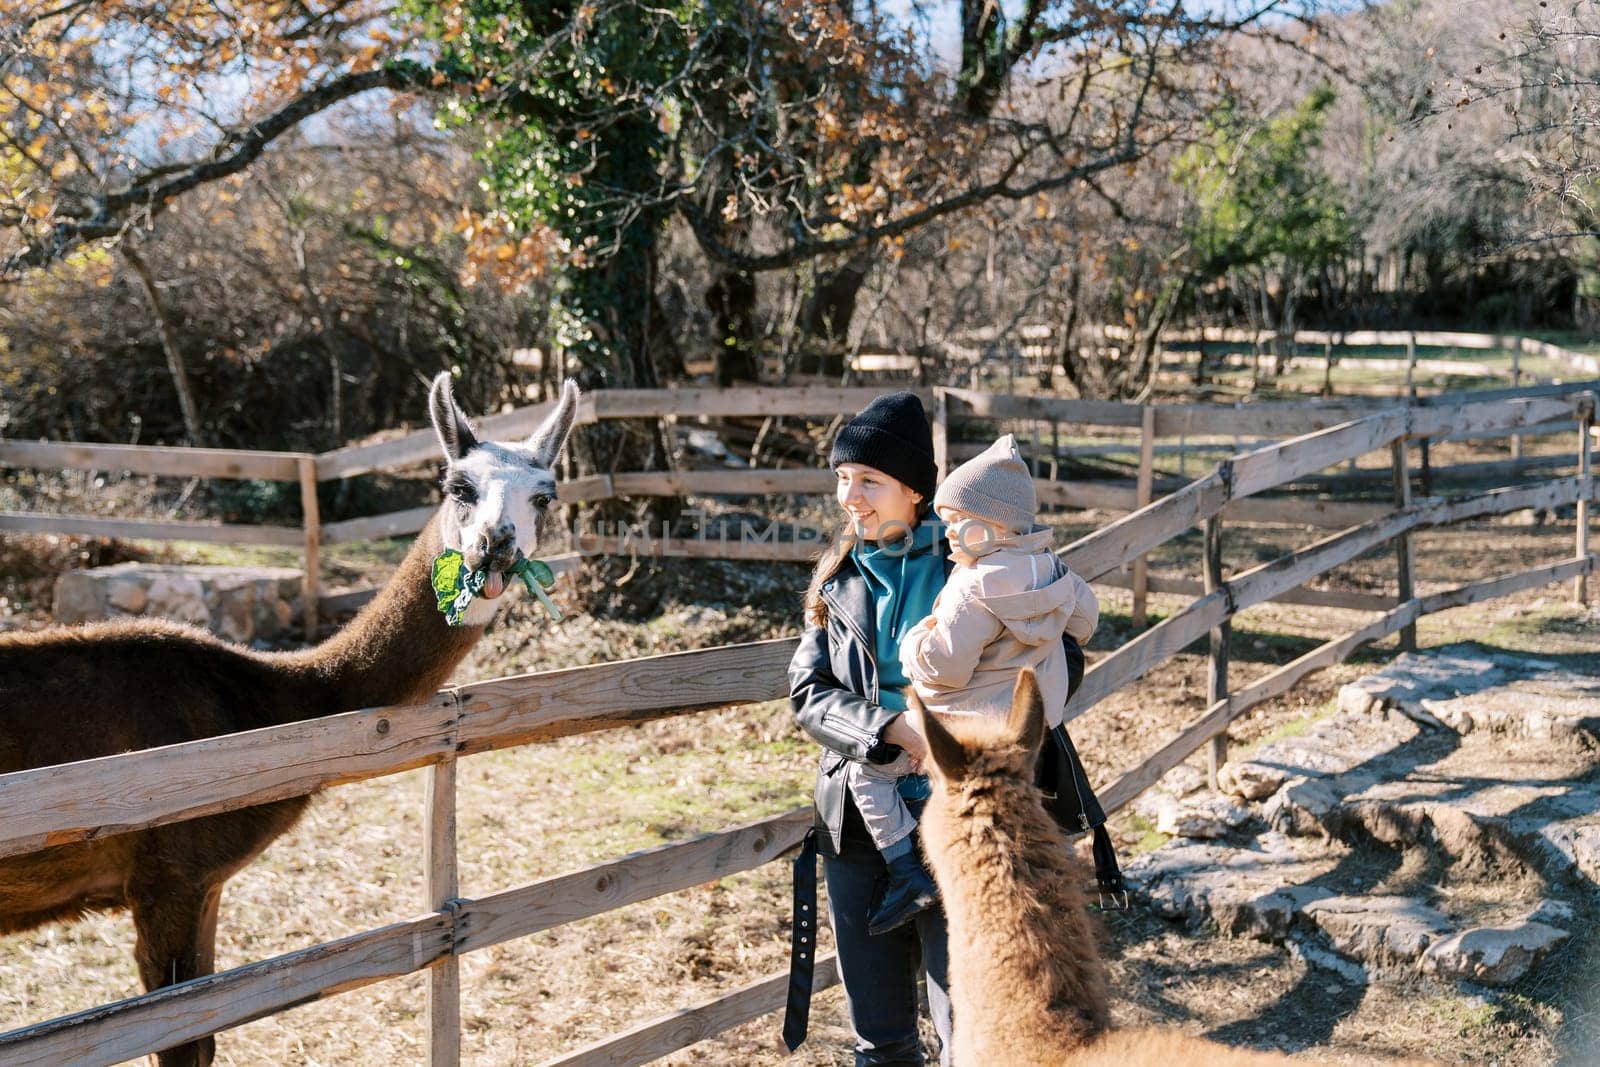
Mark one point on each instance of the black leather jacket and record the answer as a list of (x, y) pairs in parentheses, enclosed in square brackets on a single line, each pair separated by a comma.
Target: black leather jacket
[(833, 689)]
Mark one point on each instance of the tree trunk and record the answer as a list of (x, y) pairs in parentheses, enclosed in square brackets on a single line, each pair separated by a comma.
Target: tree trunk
[(732, 301), (620, 353), (169, 344), (830, 309)]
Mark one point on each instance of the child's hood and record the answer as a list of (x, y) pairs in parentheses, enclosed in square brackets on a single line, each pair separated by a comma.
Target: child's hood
[(1033, 616)]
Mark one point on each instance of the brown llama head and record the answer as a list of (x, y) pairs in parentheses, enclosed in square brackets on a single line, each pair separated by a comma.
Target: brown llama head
[(984, 748), (498, 496)]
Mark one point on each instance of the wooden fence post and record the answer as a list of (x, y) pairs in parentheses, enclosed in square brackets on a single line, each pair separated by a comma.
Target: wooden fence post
[(1055, 450), (1404, 560), (311, 525), (941, 431), (1516, 381), (439, 856), (1580, 584), (1217, 672), (1141, 566), (1411, 366)]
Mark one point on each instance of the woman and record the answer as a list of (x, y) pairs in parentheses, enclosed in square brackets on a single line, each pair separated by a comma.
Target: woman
[(846, 687)]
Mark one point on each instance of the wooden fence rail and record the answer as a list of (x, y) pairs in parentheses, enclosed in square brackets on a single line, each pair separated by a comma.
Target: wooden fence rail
[(74, 802)]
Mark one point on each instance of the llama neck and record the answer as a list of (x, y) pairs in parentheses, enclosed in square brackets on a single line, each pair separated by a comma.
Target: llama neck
[(399, 649), (1017, 916)]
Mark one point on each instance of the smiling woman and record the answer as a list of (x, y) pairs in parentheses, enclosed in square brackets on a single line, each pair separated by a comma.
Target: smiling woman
[(846, 687)]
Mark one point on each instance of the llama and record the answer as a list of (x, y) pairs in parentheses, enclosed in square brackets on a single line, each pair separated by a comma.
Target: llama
[(73, 693), (1027, 985)]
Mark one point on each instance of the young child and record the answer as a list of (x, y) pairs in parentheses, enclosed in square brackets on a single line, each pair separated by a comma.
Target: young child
[(1006, 603), (1004, 607)]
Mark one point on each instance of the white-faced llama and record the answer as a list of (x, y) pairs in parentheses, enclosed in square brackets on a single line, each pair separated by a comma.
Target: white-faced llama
[(73, 693)]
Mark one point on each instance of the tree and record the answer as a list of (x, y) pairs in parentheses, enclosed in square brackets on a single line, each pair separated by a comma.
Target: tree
[(1264, 207)]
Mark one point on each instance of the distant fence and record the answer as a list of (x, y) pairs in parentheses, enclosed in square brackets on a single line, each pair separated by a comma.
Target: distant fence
[(79, 801), (949, 408), (1034, 348)]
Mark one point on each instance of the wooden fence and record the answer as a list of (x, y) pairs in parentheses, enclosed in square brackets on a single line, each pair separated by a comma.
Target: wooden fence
[(79, 801), (950, 406)]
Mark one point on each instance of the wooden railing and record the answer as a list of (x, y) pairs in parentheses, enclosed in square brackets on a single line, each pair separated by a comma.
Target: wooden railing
[(950, 407), (80, 801)]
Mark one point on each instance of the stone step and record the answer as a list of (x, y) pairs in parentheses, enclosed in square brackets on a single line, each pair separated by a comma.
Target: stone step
[(1403, 834)]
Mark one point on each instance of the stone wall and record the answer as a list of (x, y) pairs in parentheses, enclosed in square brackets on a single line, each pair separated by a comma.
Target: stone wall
[(242, 604)]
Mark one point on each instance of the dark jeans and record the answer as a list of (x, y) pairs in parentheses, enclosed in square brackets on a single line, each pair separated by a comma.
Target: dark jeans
[(880, 973)]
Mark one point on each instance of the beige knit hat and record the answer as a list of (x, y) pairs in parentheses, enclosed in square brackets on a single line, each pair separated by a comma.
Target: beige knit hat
[(995, 485)]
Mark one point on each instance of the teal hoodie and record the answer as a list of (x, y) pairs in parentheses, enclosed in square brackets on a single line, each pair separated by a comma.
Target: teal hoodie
[(904, 583)]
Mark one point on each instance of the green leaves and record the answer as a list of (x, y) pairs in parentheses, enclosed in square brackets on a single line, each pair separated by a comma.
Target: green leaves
[(1261, 197)]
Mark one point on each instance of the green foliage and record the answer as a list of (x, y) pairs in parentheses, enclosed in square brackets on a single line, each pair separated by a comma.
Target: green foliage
[(1262, 202), (579, 114)]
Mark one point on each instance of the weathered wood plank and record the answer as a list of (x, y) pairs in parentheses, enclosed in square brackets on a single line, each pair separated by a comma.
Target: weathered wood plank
[(177, 1014), (815, 401), (1172, 584), (680, 1029), (423, 446), (377, 527), (1290, 419), (1143, 487), (724, 482), (92, 798), (756, 549), (207, 532), (311, 532), (113, 794), (1268, 467), (151, 459), (618, 883), (439, 892), (538, 707), (1221, 638), (1150, 771), (1480, 418), (968, 402), (1134, 535)]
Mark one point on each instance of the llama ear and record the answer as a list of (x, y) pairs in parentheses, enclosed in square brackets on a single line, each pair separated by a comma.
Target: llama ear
[(551, 436), (1025, 724), (946, 754), (449, 422)]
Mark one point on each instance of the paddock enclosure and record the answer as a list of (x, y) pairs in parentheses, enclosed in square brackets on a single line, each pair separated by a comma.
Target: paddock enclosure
[(1357, 474)]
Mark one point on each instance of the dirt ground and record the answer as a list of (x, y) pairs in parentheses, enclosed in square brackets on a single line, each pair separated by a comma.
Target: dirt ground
[(355, 862)]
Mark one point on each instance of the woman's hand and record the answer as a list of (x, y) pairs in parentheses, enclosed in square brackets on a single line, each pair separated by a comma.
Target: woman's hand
[(905, 731)]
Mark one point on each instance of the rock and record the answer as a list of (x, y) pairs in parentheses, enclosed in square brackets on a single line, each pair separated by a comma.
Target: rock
[(1205, 816), (242, 604), (77, 598), (176, 596), (127, 595), (1553, 912), (1354, 700), (1249, 780), (1492, 955), (1252, 892), (236, 614), (1378, 931), (1183, 780)]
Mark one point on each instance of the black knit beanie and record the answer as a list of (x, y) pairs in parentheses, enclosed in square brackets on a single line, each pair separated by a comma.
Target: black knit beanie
[(891, 434)]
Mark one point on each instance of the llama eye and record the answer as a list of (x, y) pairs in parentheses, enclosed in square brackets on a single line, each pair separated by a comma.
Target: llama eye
[(462, 492), (541, 501)]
